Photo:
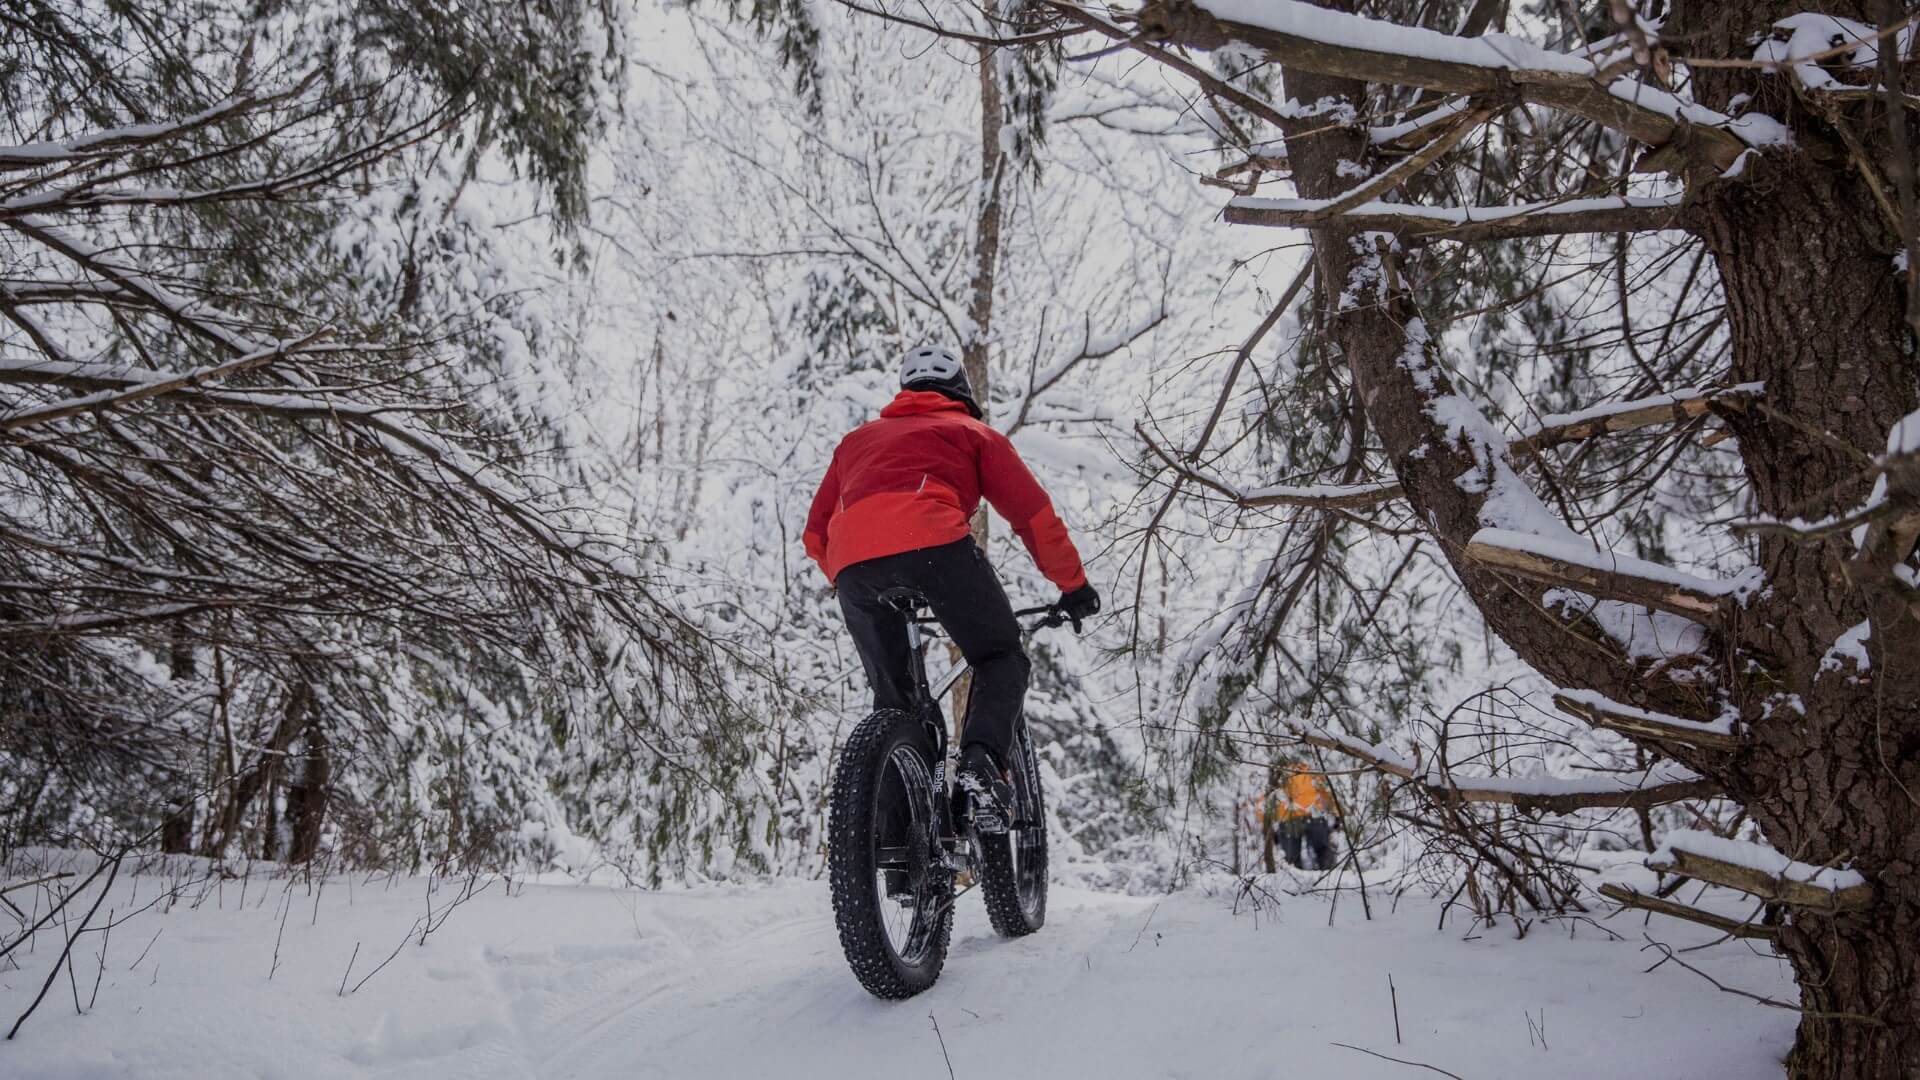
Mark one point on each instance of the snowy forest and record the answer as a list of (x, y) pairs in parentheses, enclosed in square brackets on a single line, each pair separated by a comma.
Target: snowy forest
[(1505, 412)]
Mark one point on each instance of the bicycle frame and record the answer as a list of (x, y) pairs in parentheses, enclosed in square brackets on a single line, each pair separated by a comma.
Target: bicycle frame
[(927, 704)]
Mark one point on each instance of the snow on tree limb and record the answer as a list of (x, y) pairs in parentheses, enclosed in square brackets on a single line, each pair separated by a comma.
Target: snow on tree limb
[(1603, 712), (1673, 407), (1315, 496), (1761, 871), (1467, 223), (1308, 38), (1602, 573), (159, 387), (1528, 794)]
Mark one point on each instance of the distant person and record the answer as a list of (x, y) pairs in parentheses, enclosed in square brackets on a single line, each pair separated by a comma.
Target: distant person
[(893, 512), (1305, 809)]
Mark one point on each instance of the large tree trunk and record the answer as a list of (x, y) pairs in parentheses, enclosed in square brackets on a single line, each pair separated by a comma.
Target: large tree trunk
[(1815, 311), (986, 262), (1832, 773)]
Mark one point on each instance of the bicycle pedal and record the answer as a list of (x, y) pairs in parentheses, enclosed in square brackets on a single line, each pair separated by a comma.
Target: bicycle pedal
[(988, 820)]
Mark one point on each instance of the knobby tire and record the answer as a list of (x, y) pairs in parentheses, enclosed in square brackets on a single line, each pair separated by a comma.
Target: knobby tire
[(1015, 889), (857, 820)]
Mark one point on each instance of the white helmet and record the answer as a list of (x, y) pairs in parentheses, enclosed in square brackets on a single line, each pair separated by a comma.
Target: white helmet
[(928, 363), (930, 367)]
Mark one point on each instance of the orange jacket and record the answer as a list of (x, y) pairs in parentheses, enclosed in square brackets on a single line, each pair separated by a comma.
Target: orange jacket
[(1304, 795), (914, 477)]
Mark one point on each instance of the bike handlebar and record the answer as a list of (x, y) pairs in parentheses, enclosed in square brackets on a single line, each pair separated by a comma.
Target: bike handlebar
[(1051, 615)]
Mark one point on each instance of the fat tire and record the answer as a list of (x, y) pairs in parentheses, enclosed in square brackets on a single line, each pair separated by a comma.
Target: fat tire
[(999, 881), (851, 868)]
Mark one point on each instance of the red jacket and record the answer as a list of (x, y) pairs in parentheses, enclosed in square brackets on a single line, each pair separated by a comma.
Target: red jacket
[(914, 477)]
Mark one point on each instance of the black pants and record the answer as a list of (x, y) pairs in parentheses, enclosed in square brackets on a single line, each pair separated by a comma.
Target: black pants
[(1314, 834), (967, 598)]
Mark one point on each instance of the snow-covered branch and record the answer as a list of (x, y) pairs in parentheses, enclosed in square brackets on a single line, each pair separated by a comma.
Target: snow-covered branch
[(1604, 573), (1310, 38), (1601, 711), (1466, 223), (1530, 794), (1761, 871)]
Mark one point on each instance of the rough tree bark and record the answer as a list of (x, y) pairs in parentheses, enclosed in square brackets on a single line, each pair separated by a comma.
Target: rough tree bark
[(1830, 770), (1814, 310), (986, 263)]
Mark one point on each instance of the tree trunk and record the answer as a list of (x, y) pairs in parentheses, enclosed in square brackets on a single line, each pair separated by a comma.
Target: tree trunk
[(986, 260), (1832, 773), (307, 799)]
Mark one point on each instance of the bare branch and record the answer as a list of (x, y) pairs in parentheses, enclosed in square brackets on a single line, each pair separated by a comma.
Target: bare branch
[(1634, 898), (1543, 795), (1673, 408)]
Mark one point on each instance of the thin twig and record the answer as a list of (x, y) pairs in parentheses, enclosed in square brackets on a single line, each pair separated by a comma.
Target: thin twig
[(1401, 1061), (943, 1046)]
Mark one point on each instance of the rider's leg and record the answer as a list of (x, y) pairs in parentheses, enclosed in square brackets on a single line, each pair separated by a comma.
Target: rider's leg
[(1293, 833), (973, 608), (879, 631)]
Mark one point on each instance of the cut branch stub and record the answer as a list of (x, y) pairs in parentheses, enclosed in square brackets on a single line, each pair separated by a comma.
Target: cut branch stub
[(1602, 712), (1634, 898), (1601, 574), (1783, 888)]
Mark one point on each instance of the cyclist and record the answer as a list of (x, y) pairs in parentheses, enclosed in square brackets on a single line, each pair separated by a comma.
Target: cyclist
[(893, 512)]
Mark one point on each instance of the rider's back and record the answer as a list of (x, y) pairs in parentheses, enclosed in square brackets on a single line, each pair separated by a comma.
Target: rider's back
[(913, 478)]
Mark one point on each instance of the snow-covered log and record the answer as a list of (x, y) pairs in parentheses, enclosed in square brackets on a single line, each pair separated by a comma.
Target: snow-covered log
[(1761, 871), (1603, 712)]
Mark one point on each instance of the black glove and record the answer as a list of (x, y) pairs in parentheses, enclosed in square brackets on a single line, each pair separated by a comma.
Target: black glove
[(1080, 604)]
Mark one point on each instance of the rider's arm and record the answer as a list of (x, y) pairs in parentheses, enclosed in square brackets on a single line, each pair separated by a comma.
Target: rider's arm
[(1011, 488), (825, 500)]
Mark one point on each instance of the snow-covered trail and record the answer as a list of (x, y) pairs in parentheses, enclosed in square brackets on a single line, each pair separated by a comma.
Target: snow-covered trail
[(576, 981)]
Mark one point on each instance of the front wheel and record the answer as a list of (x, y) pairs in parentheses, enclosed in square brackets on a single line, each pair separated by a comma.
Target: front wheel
[(892, 893), (1013, 864)]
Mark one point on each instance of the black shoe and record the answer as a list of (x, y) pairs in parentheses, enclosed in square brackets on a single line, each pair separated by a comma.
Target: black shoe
[(985, 783)]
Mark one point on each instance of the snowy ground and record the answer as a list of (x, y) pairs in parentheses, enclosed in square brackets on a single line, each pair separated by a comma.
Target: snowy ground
[(577, 981)]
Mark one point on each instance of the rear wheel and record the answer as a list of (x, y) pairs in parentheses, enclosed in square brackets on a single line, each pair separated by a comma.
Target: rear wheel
[(892, 894), (1013, 864)]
